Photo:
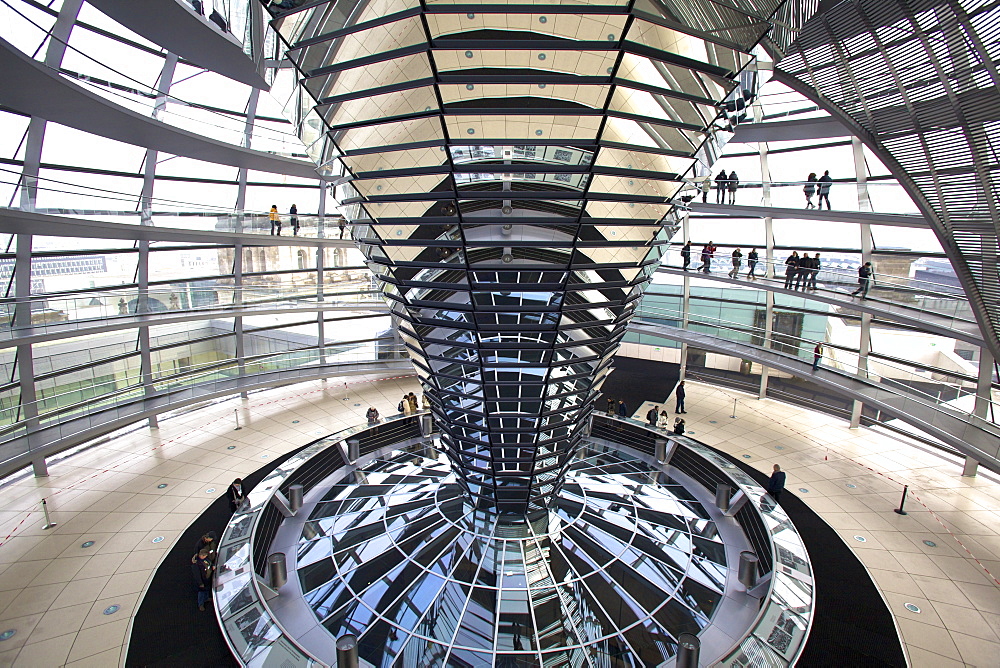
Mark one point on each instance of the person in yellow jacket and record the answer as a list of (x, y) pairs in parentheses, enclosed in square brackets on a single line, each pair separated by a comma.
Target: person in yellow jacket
[(275, 220)]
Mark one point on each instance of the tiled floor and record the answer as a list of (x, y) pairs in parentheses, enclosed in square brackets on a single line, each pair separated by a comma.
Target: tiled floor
[(54, 592)]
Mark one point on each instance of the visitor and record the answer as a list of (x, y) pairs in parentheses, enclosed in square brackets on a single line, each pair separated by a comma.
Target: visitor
[(791, 267), (611, 406), (776, 483), (235, 494), (685, 255), (810, 190), (403, 407), (679, 426), (414, 404), (622, 409), (814, 271), (824, 189), (122, 307), (293, 216), (706, 187), (720, 187), (752, 263), (275, 220), (208, 542), (866, 277), (202, 570), (817, 355), (425, 401), (733, 184), (342, 224), (664, 419), (737, 262), (679, 394), (651, 416), (802, 273)]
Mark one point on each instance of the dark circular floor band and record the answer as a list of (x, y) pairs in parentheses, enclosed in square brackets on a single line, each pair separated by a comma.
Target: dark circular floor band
[(852, 625)]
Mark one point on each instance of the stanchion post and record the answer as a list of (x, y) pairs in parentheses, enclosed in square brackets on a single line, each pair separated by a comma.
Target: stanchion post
[(277, 569), (236, 414), (722, 496), (734, 409), (347, 651), (688, 650), (902, 502), (45, 509)]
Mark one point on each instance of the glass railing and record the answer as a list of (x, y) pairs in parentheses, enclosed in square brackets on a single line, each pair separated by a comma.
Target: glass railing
[(882, 196), (62, 311), (55, 410), (893, 382), (901, 294)]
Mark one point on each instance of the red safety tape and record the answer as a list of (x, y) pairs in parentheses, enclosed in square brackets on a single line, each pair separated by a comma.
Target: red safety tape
[(134, 456), (884, 475)]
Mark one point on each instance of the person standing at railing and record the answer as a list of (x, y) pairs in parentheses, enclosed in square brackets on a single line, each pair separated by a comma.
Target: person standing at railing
[(791, 266), (866, 278), (343, 225), (651, 415), (817, 355), (679, 426), (293, 218), (810, 189), (814, 272), (685, 255), (802, 273), (824, 189), (275, 220), (720, 187), (664, 419), (122, 307), (706, 187), (622, 409), (737, 262), (733, 183), (611, 406), (752, 263)]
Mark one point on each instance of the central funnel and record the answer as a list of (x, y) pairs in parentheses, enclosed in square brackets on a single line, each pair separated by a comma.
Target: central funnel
[(508, 176)]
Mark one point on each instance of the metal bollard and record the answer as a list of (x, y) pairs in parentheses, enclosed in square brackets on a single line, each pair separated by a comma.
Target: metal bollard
[(45, 509), (295, 497), (353, 450), (660, 449), (722, 496), (902, 501), (748, 569), (688, 650), (426, 426), (277, 569), (347, 651)]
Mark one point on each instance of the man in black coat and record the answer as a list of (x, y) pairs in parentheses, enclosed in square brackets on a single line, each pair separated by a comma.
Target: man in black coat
[(679, 393), (651, 415)]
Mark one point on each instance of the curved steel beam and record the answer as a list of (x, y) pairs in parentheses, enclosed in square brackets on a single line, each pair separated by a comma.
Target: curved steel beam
[(800, 129), (933, 136), (32, 88), (970, 435), (177, 28)]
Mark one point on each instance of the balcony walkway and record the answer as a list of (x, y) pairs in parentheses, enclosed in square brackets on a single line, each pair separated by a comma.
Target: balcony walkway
[(17, 452), (174, 25), (970, 435), (30, 87), (834, 216), (921, 319), (800, 129)]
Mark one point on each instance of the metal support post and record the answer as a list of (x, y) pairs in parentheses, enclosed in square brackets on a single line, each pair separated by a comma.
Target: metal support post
[(238, 302), (688, 651), (295, 493), (984, 393), (748, 569), (686, 297), (353, 450), (722, 496), (236, 414), (48, 522), (902, 502), (277, 570), (347, 651)]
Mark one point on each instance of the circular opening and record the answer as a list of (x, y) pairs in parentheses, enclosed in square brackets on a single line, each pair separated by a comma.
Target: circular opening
[(471, 131), (541, 56), (468, 54), (538, 132), (470, 87)]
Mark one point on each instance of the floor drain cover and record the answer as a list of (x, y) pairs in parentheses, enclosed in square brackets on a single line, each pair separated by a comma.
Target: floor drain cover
[(803, 490), (210, 490), (779, 447), (231, 447), (861, 539), (89, 543), (712, 421), (849, 485), (112, 609), (930, 543), (295, 421), (8, 634), (746, 456), (911, 607), (158, 539), (161, 485)]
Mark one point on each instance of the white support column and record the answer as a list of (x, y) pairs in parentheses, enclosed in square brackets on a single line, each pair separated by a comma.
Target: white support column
[(25, 354), (765, 172), (867, 247), (685, 295), (320, 297), (984, 391), (241, 358)]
